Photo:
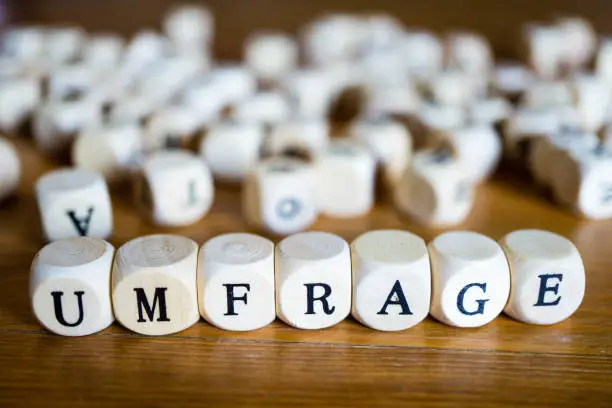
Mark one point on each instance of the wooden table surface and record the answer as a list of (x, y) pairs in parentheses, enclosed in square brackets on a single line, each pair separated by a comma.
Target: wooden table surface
[(503, 363)]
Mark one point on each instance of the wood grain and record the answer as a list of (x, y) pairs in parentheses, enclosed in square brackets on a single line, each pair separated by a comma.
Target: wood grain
[(505, 363)]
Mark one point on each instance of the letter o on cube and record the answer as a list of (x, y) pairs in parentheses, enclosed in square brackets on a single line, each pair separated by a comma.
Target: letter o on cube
[(313, 280), (391, 279), (236, 282), (69, 286), (154, 284), (470, 279), (547, 274)]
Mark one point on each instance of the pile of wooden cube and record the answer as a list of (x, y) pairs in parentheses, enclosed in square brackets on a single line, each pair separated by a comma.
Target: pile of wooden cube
[(308, 123)]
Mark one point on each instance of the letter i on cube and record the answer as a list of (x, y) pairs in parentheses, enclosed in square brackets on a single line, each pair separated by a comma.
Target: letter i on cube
[(547, 274), (176, 188), (313, 280), (470, 279)]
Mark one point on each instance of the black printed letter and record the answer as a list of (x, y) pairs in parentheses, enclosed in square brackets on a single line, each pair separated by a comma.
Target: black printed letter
[(229, 287), (310, 298), (82, 225), (543, 289), (59, 313), (396, 297), (141, 299)]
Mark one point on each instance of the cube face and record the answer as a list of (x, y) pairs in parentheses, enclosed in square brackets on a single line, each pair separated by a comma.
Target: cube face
[(112, 150), (188, 24), (391, 280), (312, 90), (74, 203), (391, 300), (306, 137), (154, 284), (511, 78), (271, 55), (236, 282), (469, 52), (180, 185), (70, 286), (435, 190), (56, 122), (390, 144), (315, 298), (477, 149), (238, 299), (345, 181), (18, 99), (548, 278), (595, 196), (280, 197), (232, 150), (470, 279), (546, 295), (472, 298), (263, 107), (155, 303), (313, 280)]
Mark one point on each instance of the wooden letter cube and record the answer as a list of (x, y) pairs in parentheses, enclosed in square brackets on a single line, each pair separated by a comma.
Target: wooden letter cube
[(70, 286), (545, 49), (469, 52), (279, 196), (345, 177), (478, 150), (306, 138), (271, 55), (103, 52), (72, 203), (10, 169), (313, 280), (470, 279), (263, 107), (172, 127), (233, 149), (547, 276), (389, 142), (112, 150), (582, 180), (545, 150), (176, 188), (57, 122), (19, 98), (435, 190), (189, 24), (391, 279), (154, 284), (311, 92), (236, 282)]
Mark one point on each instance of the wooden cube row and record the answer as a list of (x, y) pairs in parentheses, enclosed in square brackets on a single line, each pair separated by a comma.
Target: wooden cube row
[(387, 279)]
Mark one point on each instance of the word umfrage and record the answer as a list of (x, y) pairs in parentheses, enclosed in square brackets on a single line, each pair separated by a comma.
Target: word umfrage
[(388, 280)]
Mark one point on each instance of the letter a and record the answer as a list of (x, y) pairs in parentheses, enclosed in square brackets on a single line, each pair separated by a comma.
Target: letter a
[(81, 225)]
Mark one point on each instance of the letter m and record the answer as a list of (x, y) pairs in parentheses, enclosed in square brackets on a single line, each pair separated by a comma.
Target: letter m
[(143, 303)]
